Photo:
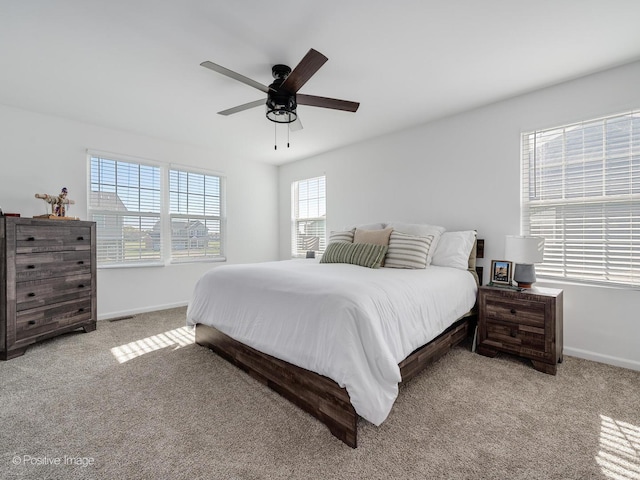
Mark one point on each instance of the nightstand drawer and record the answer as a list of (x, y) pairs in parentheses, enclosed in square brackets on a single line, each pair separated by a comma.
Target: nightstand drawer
[(507, 334), (523, 313)]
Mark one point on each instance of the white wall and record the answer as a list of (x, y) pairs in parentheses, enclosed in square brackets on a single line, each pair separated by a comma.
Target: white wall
[(42, 153), (462, 172)]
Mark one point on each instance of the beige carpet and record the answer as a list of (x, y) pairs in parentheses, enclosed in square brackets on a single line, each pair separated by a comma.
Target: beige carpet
[(174, 410)]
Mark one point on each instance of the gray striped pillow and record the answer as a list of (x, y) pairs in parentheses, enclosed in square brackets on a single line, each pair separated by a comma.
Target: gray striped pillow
[(346, 236), (407, 251), (363, 254)]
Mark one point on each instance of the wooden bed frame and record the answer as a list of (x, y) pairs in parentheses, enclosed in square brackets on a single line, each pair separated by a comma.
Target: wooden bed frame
[(318, 395)]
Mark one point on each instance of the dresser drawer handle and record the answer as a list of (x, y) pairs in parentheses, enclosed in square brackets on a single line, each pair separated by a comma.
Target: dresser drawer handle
[(80, 238), (31, 267), (81, 285), (31, 322), (80, 262), (81, 309), (30, 239), (513, 311), (31, 294)]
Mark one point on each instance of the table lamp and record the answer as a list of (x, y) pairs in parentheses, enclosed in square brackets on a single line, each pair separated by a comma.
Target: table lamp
[(524, 252)]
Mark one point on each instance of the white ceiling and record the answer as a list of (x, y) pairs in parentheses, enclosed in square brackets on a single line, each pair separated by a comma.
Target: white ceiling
[(135, 64)]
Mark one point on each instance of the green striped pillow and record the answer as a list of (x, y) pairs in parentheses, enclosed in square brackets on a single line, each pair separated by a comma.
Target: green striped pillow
[(407, 251), (363, 254)]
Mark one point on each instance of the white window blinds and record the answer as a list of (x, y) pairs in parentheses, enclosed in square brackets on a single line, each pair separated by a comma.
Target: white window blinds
[(124, 201), (581, 192), (309, 216)]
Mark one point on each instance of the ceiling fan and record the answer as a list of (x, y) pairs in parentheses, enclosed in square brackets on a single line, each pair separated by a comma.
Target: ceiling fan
[(282, 95)]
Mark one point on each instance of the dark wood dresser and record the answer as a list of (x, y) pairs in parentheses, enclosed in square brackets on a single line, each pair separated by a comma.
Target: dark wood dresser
[(526, 323), (48, 280)]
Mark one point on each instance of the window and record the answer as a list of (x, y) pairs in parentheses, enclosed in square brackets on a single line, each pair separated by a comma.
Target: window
[(309, 216), (128, 201), (195, 215), (581, 192)]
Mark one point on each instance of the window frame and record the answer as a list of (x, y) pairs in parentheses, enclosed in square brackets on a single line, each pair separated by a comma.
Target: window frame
[(591, 229), (166, 256)]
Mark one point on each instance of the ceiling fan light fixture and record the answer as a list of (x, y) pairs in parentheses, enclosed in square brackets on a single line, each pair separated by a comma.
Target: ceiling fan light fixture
[(281, 109), (282, 115)]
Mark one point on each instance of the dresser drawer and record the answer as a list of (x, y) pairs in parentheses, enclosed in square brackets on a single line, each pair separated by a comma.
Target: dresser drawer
[(522, 312), (53, 264), (54, 238), (37, 293), (48, 318)]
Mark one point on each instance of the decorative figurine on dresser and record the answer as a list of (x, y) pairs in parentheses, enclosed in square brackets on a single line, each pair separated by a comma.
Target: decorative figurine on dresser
[(47, 280), (58, 205)]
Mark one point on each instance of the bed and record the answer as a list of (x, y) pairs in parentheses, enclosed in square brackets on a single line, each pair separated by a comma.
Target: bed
[(337, 338)]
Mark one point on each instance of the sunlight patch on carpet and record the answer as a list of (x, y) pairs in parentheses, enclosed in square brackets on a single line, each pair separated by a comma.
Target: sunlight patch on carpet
[(175, 338), (619, 455)]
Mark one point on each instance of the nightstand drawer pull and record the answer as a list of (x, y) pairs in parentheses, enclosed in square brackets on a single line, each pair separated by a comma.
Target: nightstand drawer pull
[(81, 285), (513, 311), (31, 294), (80, 262), (80, 238), (31, 267), (31, 322), (31, 239)]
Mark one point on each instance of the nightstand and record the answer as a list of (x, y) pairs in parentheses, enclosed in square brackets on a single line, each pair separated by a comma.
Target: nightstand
[(526, 323)]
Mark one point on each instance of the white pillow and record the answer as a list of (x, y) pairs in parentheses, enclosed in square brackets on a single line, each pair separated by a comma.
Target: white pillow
[(368, 226), (420, 230), (453, 249)]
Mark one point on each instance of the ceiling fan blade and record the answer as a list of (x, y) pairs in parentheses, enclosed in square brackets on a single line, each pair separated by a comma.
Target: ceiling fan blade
[(324, 102), (309, 65), (236, 76), (243, 107), (296, 125)]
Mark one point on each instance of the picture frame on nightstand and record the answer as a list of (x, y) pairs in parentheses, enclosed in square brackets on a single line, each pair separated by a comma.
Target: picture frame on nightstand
[(501, 272)]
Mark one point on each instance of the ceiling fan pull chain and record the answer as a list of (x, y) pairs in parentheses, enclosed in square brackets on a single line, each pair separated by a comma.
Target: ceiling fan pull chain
[(275, 136), (288, 129)]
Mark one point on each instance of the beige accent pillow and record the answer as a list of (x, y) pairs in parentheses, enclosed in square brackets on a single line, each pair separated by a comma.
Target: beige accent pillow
[(375, 237)]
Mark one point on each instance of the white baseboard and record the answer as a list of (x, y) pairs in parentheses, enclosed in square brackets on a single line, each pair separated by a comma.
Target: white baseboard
[(126, 313), (598, 357)]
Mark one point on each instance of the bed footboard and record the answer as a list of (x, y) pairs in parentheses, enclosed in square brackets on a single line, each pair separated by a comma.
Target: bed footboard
[(318, 395)]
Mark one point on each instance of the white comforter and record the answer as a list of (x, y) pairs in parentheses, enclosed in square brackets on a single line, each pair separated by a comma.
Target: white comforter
[(349, 323)]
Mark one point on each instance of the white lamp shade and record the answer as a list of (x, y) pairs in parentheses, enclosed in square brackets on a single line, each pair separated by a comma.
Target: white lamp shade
[(524, 250)]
